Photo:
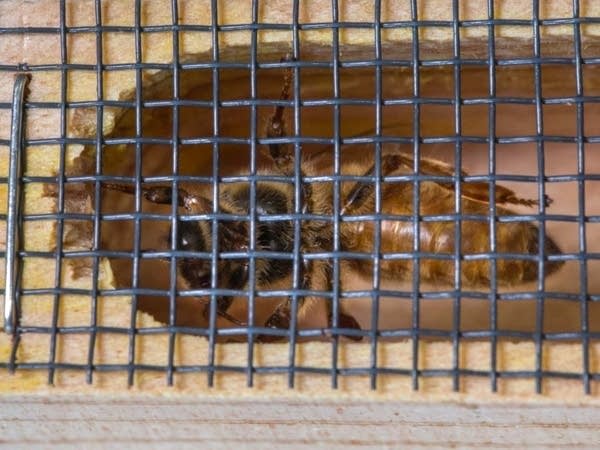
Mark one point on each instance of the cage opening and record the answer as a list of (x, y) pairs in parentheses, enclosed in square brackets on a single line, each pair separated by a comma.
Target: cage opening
[(515, 162)]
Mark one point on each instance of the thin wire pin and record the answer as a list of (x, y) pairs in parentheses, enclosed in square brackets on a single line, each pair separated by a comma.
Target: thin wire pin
[(14, 204)]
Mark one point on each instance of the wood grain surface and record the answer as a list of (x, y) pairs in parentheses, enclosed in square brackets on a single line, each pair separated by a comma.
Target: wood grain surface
[(147, 422), (231, 414)]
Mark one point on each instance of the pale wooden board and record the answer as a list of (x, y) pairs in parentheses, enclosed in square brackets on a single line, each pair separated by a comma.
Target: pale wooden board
[(138, 421), (118, 48)]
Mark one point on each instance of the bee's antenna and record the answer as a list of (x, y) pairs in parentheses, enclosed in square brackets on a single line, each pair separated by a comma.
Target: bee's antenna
[(128, 189), (232, 319), (277, 124)]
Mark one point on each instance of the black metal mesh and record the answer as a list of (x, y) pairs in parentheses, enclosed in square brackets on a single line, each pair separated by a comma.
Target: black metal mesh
[(334, 63)]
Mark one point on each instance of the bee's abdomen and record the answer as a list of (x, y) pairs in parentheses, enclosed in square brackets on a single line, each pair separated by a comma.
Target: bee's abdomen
[(517, 248), (516, 253)]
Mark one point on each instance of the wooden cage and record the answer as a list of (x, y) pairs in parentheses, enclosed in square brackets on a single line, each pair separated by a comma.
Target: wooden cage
[(65, 386)]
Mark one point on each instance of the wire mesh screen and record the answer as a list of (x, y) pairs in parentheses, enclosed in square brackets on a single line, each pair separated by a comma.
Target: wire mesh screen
[(421, 172)]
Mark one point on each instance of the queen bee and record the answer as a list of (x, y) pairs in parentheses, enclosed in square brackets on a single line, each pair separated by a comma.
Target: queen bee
[(275, 231)]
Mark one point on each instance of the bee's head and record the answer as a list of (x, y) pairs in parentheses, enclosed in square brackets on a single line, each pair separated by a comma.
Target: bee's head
[(194, 270), (197, 236)]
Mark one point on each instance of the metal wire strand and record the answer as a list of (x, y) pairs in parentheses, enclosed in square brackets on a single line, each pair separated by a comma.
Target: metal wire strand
[(338, 64)]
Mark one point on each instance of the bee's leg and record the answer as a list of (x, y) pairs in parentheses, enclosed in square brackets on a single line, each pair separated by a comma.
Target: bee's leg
[(343, 320), (164, 195), (223, 304), (222, 312), (349, 322), (281, 153), (281, 318)]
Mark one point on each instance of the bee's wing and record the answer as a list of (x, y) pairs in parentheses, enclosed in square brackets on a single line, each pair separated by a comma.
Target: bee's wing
[(478, 191)]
